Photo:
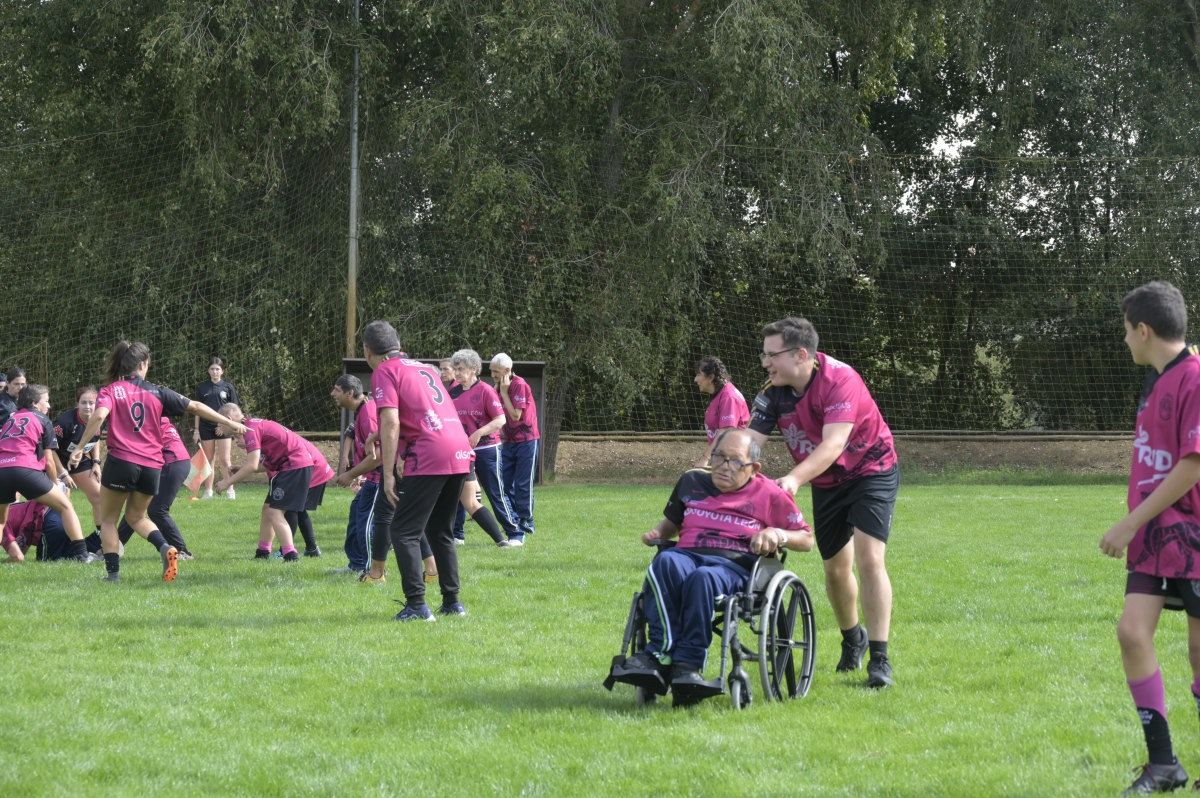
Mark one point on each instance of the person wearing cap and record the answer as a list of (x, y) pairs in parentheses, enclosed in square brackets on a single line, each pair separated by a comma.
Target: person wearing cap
[(519, 447)]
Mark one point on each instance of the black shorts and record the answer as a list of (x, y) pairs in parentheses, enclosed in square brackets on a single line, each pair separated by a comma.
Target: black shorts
[(315, 497), (25, 481), (1180, 594), (866, 503), (289, 490), (84, 465), (127, 477), (208, 432)]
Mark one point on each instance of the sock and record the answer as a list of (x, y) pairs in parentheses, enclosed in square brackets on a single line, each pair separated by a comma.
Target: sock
[(156, 540), (112, 563), (488, 523), (878, 648), (854, 634), (265, 547), (306, 529), (78, 548), (1151, 704), (92, 542)]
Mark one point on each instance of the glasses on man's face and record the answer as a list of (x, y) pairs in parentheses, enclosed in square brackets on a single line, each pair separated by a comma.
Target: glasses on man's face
[(721, 461), (765, 356)]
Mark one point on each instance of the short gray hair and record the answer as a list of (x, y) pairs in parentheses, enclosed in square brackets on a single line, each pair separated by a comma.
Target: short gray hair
[(501, 360), (753, 447), (379, 337), (467, 357)]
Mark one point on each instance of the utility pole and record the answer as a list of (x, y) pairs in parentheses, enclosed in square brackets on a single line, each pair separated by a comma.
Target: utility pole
[(352, 242)]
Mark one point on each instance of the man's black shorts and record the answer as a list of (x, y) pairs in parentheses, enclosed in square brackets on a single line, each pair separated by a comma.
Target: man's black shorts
[(289, 489), (28, 482), (866, 503), (315, 497), (1180, 594), (129, 477)]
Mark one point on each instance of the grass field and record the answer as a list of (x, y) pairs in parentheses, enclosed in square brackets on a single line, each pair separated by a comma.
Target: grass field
[(265, 678)]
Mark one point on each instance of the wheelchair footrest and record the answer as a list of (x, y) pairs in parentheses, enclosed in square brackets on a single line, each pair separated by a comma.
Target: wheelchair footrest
[(646, 678)]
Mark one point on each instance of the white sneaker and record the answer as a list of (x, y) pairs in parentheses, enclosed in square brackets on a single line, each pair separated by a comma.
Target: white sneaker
[(207, 494), (230, 493), (515, 542), (460, 541)]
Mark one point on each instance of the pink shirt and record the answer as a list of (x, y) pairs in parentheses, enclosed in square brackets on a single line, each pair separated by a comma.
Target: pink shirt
[(365, 424), (173, 449), (477, 406), (1168, 429), (431, 438), (834, 395), (24, 524), (136, 409), (521, 396), (24, 439), (726, 410), (710, 519), (282, 449), (321, 472)]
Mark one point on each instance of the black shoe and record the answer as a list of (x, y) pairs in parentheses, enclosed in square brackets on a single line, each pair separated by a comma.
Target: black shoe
[(112, 576), (852, 652), (259, 554), (315, 551), (291, 556), (688, 686), (1157, 778), (641, 670), (879, 673)]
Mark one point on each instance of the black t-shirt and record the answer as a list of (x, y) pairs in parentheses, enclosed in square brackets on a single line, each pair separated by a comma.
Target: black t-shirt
[(8, 406), (69, 429), (216, 395)]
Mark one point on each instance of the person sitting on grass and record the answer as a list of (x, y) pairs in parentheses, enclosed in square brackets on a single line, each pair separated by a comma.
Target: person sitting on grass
[(36, 526), (724, 519)]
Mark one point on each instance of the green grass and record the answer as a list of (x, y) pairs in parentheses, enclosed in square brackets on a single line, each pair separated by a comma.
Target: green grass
[(256, 678)]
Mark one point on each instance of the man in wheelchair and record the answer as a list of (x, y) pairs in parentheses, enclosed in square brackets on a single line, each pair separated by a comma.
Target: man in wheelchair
[(724, 517)]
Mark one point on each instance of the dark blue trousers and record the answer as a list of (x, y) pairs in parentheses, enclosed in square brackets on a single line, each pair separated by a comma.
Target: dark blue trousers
[(683, 587)]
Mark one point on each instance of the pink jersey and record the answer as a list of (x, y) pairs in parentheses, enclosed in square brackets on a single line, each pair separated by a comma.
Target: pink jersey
[(521, 396), (282, 449), (364, 425), (431, 438), (834, 395), (1168, 430), (710, 519), (173, 449), (24, 524), (321, 472), (726, 410), (135, 412), (24, 439), (477, 406)]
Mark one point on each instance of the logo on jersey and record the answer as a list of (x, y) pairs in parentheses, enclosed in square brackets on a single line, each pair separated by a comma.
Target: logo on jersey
[(378, 394), (797, 440), (431, 421), (224, 395), (463, 454), (1166, 407), (1160, 460), (838, 407)]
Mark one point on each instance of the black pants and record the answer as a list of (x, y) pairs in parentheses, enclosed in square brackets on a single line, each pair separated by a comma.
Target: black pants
[(381, 531), (159, 511), (426, 507)]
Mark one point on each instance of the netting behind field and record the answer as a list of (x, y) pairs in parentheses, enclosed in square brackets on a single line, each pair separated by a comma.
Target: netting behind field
[(110, 236), (971, 294)]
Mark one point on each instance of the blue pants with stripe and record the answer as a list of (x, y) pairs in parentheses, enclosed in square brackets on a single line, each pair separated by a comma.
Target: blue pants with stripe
[(518, 464), (359, 525), (681, 596), (491, 480)]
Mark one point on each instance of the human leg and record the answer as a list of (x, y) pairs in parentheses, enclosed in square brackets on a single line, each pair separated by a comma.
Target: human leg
[(491, 479), (171, 480), (222, 452), (417, 496), (209, 447), (439, 533)]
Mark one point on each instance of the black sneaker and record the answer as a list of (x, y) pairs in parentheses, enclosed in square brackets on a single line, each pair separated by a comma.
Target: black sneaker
[(688, 686), (261, 554), (291, 556), (1157, 778), (112, 576), (879, 673), (852, 652), (315, 551)]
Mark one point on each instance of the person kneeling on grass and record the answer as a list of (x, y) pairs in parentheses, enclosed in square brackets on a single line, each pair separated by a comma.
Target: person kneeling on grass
[(724, 519), (34, 525)]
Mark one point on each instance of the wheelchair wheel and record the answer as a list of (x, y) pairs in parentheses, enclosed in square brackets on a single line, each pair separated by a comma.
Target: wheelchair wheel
[(739, 690), (786, 638)]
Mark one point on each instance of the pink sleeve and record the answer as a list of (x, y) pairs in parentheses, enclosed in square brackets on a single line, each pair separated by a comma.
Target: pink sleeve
[(386, 393), (522, 397), (787, 514), (841, 403), (729, 414), (252, 442), (1189, 424), (104, 398), (494, 406)]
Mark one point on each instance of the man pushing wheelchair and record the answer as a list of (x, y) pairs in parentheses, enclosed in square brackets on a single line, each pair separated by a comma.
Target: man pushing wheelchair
[(725, 519)]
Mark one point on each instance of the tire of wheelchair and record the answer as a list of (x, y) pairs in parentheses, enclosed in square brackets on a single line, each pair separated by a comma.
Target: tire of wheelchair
[(786, 638)]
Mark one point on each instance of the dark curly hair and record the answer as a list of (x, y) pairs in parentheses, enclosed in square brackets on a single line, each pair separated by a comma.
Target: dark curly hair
[(712, 367)]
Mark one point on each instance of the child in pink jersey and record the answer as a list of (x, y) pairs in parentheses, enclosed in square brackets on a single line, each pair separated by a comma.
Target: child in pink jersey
[(1162, 529), (129, 480), (289, 466), (726, 410), (28, 463), (724, 519)]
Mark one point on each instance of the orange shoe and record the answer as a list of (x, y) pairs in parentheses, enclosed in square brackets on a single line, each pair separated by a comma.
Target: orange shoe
[(170, 560), (367, 579)]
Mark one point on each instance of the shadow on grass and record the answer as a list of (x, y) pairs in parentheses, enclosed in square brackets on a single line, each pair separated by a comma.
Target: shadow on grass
[(534, 697)]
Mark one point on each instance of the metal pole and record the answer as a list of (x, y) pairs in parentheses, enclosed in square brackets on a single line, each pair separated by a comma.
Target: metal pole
[(352, 243)]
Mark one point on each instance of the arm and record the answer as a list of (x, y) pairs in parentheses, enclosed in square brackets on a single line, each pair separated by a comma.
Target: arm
[(365, 466), (208, 414), (487, 429), (663, 530), (90, 431), (389, 432), (514, 413), (772, 540), (56, 471), (344, 453), (13, 549), (833, 442), (1179, 481), (248, 467)]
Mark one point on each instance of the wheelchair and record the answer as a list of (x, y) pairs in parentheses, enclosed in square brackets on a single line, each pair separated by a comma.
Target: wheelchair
[(777, 611)]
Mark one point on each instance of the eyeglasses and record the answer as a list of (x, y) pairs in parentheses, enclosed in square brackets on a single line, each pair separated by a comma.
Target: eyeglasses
[(719, 460), (773, 355)]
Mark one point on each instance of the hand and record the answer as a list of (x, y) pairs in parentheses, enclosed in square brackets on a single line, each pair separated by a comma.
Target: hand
[(238, 429), (1117, 538), (76, 456), (389, 489), (788, 483), (652, 538), (69, 482), (345, 479), (504, 381), (473, 438), (767, 541), (195, 434), (221, 486)]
